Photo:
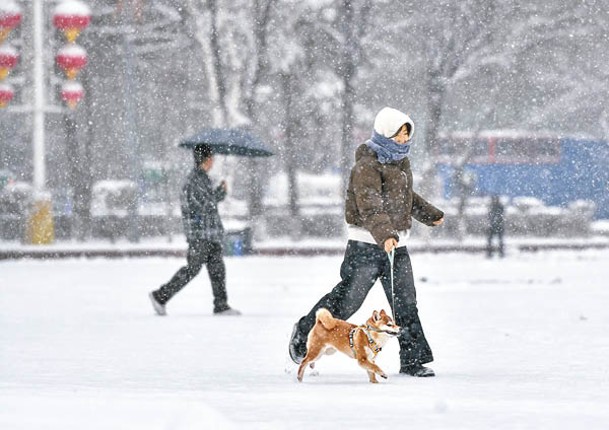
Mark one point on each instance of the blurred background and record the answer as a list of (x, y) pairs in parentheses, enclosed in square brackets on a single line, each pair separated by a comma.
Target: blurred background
[(508, 97)]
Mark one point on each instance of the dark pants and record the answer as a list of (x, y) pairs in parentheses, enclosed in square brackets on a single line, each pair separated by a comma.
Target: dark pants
[(492, 233), (363, 264), (199, 253)]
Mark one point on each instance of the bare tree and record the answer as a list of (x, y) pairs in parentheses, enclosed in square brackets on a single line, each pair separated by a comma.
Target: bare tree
[(575, 82), (457, 39)]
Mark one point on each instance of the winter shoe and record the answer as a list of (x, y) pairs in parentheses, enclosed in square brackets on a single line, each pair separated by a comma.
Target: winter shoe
[(298, 345), (158, 308), (417, 370), (228, 311)]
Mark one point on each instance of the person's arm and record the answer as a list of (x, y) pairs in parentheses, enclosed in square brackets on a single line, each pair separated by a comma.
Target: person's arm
[(220, 191), (205, 203), (194, 205), (421, 207), (425, 212), (200, 198)]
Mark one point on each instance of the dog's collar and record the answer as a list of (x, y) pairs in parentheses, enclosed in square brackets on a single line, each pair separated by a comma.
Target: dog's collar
[(371, 342)]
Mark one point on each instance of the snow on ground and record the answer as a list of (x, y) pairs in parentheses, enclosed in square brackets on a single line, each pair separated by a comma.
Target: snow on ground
[(521, 342)]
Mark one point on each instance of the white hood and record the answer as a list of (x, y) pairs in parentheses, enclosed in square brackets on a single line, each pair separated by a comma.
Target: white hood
[(388, 121)]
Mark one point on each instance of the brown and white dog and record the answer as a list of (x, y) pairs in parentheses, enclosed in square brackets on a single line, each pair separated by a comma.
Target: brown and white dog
[(363, 343)]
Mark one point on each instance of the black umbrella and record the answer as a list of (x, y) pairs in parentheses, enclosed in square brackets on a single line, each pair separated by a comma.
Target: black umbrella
[(228, 141)]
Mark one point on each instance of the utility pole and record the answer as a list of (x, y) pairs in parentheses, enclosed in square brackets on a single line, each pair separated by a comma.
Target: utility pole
[(40, 229), (70, 16)]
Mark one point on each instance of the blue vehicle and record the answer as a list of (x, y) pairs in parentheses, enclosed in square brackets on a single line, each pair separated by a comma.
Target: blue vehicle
[(557, 170)]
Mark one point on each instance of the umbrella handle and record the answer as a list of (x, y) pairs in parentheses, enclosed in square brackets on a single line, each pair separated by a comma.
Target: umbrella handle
[(223, 171)]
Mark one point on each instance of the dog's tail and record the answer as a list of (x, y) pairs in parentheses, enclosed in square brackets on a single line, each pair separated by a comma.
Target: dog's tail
[(325, 318)]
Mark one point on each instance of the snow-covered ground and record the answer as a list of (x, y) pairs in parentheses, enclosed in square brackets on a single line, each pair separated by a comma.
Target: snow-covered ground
[(521, 342)]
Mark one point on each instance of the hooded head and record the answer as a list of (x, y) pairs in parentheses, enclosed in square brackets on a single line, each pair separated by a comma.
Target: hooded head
[(389, 121)]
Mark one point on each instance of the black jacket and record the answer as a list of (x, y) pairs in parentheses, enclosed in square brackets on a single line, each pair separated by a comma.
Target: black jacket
[(496, 217), (199, 203)]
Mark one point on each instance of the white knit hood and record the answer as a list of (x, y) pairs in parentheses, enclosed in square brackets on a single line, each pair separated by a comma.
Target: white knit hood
[(388, 121)]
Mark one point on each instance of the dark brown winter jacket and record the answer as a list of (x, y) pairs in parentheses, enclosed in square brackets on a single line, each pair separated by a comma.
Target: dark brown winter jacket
[(380, 197)]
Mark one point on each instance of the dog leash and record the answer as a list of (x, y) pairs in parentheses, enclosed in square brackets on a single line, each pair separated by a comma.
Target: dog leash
[(391, 256)]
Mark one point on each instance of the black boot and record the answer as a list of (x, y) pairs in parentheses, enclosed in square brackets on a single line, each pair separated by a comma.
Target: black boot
[(298, 345), (417, 370)]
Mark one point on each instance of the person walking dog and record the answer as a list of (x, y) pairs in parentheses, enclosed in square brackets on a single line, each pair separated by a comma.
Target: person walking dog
[(380, 204), (205, 234)]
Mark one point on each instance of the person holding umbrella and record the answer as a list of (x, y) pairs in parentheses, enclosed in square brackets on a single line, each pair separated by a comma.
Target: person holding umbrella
[(205, 234)]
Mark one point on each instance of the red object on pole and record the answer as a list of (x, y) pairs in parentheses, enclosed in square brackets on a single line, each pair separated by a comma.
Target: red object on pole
[(71, 17), (9, 20), (9, 57), (72, 93), (71, 58), (10, 17), (6, 94)]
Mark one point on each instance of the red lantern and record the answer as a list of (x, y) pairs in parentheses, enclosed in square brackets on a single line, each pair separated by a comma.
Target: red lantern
[(8, 59), (6, 94), (72, 93), (71, 58), (71, 17), (10, 17)]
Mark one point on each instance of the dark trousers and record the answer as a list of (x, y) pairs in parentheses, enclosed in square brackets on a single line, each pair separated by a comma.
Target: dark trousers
[(363, 264), (492, 233), (199, 253)]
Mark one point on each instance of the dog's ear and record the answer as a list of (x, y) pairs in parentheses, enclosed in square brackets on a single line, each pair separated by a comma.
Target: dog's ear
[(375, 316), (383, 313)]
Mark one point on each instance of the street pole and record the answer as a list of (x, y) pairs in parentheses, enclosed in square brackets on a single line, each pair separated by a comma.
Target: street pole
[(40, 229), (37, 30), (75, 177)]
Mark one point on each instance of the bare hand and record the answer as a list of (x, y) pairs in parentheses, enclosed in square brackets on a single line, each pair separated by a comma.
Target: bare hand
[(390, 244), (438, 222)]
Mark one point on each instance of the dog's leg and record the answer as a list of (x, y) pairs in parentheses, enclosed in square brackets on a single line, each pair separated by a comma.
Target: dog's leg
[(372, 377), (301, 368), (313, 354), (370, 367)]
